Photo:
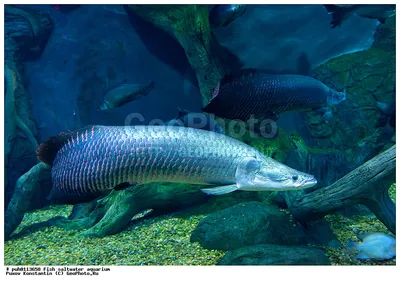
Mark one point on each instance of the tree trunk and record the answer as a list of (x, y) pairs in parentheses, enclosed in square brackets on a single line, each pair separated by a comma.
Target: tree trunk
[(189, 25)]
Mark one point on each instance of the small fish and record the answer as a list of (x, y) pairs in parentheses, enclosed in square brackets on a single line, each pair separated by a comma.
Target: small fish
[(124, 94), (255, 93), (375, 246), (342, 12), (222, 15), (195, 120)]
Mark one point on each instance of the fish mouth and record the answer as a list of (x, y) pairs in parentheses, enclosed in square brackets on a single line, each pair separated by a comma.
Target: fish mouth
[(309, 182)]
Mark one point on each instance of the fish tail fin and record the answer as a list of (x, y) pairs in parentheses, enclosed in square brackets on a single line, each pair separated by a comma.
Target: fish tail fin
[(47, 151), (337, 14)]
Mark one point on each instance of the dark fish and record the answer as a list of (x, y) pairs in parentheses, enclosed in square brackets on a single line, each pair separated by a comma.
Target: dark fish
[(222, 15), (342, 12), (94, 159), (195, 120), (124, 94), (253, 93)]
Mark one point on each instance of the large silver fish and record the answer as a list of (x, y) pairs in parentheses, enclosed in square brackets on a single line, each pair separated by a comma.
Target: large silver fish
[(93, 159), (123, 94)]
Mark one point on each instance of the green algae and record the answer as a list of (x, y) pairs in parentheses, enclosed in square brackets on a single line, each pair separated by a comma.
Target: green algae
[(160, 240), (164, 240)]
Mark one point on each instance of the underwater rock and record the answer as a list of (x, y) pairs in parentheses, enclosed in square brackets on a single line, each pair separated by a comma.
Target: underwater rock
[(275, 198), (247, 224), (321, 232), (367, 77), (20, 131), (385, 35), (267, 254), (26, 35), (274, 36), (31, 191)]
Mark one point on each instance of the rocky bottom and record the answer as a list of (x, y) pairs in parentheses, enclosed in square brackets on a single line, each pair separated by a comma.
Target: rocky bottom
[(148, 240)]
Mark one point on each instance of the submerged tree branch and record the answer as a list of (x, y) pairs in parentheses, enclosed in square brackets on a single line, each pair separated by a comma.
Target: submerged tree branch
[(368, 185)]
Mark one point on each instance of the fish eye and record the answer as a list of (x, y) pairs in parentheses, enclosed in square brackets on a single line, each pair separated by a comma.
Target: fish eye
[(295, 177)]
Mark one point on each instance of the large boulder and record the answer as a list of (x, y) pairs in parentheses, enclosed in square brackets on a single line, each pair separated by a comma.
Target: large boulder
[(246, 224), (368, 77), (268, 254), (274, 36)]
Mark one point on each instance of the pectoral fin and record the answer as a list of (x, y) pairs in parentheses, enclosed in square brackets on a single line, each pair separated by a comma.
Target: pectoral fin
[(220, 190)]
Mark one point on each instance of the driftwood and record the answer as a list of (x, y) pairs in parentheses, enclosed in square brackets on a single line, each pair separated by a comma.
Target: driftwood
[(109, 215), (30, 189), (367, 185), (189, 25)]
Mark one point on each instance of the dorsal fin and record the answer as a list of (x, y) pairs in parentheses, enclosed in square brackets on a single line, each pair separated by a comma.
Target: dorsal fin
[(234, 74), (47, 151)]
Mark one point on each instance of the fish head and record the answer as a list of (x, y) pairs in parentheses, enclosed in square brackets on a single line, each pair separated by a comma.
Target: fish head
[(336, 97), (269, 175)]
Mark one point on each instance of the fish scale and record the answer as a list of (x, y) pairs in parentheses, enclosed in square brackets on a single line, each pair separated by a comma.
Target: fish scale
[(252, 92), (142, 154)]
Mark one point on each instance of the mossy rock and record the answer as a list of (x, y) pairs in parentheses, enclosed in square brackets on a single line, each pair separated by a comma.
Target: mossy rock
[(268, 254), (367, 77), (385, 35), (247, 224)]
